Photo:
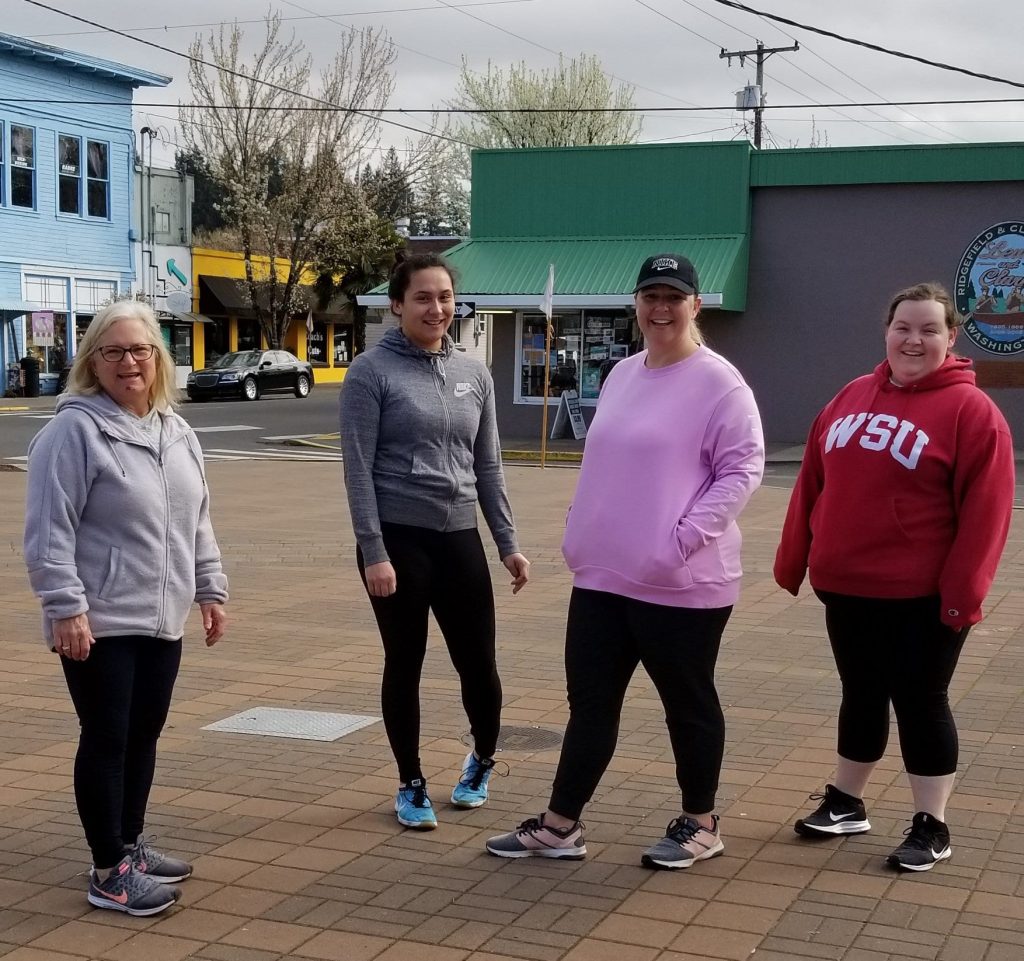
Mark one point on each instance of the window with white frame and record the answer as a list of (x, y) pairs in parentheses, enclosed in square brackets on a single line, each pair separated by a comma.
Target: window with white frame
[(98, 184), (69, 173), (3, 166), (582, 345), (52, 294), (88, 297), (23, 166)]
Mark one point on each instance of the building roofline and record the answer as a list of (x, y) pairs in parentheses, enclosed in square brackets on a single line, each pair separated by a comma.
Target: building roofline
[(81, 62)]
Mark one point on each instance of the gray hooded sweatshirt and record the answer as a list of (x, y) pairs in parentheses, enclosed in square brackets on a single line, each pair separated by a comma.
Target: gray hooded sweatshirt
[(117, 522), (420, 444)]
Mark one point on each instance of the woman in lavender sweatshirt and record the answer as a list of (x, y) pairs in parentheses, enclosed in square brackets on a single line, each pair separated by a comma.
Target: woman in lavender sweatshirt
[(673, 455)]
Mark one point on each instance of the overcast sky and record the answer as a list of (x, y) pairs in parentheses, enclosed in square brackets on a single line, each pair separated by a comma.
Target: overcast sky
[(671, 64)]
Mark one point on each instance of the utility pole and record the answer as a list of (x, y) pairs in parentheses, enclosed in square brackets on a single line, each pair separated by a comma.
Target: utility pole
[(762, 53)]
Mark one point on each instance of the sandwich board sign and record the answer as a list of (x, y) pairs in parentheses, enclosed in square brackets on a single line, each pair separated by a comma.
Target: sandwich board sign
[(569, 418)]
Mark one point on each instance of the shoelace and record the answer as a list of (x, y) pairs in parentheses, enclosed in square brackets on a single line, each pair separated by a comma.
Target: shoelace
[(480, 769), (535, 824), (920, 837), (682, 830), (419, 796)]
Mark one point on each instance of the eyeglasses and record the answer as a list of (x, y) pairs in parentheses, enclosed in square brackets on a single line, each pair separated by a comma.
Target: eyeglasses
[(116, 354)]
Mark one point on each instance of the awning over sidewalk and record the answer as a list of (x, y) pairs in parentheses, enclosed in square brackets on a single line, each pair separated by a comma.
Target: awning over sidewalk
[(588, 272), (226, 296)]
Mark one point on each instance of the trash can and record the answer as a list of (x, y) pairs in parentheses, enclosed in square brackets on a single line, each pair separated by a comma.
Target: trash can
[(30, 366)]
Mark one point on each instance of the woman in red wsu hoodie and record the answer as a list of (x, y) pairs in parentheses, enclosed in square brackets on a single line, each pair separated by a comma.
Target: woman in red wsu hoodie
[(900, 514)]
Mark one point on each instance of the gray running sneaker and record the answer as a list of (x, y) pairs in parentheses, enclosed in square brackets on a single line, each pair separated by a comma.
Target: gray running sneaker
[(147, 860), (131, 892), (838, 813)]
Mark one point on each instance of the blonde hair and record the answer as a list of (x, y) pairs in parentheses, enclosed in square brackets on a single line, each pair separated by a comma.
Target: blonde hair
[(83, 380)]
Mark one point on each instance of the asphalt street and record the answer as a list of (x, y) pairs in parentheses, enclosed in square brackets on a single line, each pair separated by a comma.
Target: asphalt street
[(228, 429)]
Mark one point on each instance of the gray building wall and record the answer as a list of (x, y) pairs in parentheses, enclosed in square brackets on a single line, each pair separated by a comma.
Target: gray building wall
[(824, 262)]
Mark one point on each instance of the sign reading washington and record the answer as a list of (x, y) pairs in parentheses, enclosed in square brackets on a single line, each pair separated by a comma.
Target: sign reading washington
[(989, 289)]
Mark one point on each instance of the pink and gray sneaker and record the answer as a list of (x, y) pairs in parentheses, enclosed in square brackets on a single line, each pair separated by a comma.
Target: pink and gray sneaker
[(130, 891), (685, 843), (534, 839)]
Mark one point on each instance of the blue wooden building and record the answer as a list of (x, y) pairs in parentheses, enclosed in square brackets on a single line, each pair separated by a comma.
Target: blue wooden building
[(66, 192)]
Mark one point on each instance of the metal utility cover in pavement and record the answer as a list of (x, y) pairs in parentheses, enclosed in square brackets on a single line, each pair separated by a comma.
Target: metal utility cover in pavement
[(285, 722), (528, 739)]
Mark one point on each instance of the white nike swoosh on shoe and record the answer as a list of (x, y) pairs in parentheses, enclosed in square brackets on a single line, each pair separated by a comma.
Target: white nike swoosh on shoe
[(840, 817)]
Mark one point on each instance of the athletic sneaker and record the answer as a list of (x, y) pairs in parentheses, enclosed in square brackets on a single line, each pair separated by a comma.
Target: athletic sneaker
[(413, 807), (534, 839), (129, 891), (927, 843), (838, 813), (147, 860), (471, 791), (685, 842)]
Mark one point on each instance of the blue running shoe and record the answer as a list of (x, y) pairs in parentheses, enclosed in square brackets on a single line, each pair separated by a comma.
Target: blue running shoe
[(471, 791), (412, 806)]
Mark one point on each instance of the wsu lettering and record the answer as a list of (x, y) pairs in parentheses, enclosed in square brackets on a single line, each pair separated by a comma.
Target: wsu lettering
[(901, 438)]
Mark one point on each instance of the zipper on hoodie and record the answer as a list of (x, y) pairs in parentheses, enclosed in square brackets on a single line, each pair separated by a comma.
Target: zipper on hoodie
[(162, 610), (439, 385)]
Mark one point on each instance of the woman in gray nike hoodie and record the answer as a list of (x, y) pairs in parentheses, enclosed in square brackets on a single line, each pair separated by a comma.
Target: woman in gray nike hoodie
[(421, 450), (119, 545)]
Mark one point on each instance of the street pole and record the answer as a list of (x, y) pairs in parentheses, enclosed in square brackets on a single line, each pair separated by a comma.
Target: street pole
[(761, 53)]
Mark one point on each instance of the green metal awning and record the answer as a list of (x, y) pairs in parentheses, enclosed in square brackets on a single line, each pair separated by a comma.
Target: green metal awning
[(589, 272)]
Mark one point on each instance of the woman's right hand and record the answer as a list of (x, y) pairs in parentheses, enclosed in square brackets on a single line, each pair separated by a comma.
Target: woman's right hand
[(72, 637), (380, 579)]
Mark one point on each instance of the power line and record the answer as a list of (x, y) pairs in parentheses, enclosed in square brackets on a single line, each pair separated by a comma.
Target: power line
[(326, 107), (869, 46), (351, 29), (243, 76), (317, 16), (781, 83)]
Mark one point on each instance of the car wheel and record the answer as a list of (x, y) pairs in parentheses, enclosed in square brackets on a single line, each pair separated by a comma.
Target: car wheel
[(302, 386), (250, 389)]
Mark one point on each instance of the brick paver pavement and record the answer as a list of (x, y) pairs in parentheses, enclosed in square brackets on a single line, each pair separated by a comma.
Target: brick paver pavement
[(296, 848)]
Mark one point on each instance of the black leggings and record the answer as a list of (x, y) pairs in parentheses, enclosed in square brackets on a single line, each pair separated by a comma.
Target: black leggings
[(606, 637), (445, 573), (898, 651), (121, 692)]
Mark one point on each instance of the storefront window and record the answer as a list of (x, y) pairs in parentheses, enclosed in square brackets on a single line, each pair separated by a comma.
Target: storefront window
[(316, 345), (50, 293), (248, 335), (181, 344), (215, 340), (565, 354), (577, 355), (607, 335), (342, 344), (46, 340)]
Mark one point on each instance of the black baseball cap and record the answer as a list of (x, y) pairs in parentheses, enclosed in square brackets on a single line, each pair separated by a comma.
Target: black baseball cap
[(671, 269)]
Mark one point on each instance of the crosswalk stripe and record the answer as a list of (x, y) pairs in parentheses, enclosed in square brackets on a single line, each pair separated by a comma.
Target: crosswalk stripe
[(280, 455)]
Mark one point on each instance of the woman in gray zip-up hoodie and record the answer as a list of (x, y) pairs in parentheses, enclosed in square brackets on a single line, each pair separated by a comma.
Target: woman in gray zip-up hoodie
[(421, 450), (119, 545)]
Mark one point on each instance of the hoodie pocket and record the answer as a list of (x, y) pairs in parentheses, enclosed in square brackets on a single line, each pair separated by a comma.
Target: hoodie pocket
[(110, 581)]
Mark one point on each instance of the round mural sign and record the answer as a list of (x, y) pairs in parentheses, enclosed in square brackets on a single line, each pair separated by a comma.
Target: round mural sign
[(989, 289)]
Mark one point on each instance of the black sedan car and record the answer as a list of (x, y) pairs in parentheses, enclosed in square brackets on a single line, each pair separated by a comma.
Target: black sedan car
[(249, 373)]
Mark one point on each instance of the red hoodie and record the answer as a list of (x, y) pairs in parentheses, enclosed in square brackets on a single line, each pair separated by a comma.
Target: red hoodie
[(903, 492)]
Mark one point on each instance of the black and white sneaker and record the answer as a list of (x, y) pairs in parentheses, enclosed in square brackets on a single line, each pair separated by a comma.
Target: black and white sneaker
[(838, 813), (927, 843)]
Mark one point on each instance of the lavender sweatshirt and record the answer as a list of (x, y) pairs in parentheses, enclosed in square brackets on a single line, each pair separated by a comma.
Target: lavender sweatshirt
[(672, 457)]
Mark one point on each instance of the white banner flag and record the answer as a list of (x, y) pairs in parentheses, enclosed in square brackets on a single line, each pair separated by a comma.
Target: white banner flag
[(549, 293)]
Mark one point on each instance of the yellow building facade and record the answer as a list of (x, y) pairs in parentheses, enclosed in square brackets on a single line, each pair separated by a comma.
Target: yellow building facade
[(323, 337)]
